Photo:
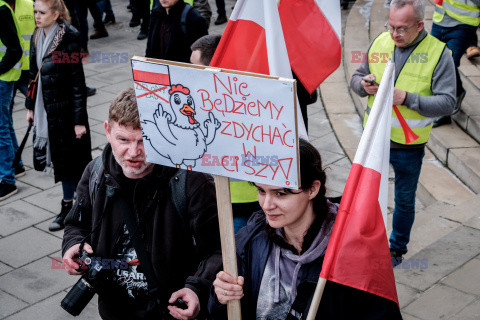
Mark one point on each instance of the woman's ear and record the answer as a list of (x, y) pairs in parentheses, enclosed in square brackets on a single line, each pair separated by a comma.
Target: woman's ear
[(314, 189), (56, 14)]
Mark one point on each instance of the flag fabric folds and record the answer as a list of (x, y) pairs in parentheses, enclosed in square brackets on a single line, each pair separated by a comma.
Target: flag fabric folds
[(312, 30), (253, 41), (358, 255)]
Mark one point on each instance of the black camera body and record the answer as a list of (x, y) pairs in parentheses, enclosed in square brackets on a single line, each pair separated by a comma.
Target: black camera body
[(83, 291)]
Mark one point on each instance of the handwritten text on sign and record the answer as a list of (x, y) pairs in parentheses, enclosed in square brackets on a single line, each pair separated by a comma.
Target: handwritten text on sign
[(235, 125)]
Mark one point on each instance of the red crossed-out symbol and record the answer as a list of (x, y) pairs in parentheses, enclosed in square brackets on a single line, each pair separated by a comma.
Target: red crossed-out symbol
[(151, 92)]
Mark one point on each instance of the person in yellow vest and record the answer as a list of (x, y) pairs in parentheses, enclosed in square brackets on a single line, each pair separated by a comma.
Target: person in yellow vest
[(455, 23), (10, 70), (23, 10), (424, 89)]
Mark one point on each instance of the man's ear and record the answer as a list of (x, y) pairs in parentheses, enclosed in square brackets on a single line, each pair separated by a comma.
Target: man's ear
[(420, 26), (107, 130)]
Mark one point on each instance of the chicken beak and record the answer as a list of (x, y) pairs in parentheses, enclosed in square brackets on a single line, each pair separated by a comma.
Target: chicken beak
[(187, 110)]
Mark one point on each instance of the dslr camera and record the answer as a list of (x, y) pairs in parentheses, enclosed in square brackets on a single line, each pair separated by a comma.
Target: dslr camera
[(86, 287)]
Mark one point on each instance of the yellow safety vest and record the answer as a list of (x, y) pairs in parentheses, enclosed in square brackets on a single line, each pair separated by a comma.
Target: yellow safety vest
[(464, 11), (415, 77), (243, 192), (14, 73), (26, 22)]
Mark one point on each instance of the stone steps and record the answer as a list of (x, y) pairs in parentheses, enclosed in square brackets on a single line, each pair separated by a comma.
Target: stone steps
[(450, 174)]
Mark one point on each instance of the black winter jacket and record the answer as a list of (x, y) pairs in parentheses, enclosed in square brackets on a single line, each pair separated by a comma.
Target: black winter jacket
[(338, 302), (176, 261), (65, 99), (178, 44)]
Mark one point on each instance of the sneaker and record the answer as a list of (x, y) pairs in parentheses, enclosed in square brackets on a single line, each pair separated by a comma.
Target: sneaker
[(142, 35), (91, 91), (109, 19), (397, 257), (473, 52), (19, 171), (221, 19), (134, 22), (59, 222), (7, 190), (442, 121)]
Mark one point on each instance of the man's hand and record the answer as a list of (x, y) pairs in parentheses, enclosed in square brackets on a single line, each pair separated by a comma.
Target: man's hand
[(192, 301), (399, 96), (370, 88), (227, 288), (80, 131), (68, 259)]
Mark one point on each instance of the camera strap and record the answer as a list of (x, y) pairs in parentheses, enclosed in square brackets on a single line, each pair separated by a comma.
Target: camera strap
[(138, 244)]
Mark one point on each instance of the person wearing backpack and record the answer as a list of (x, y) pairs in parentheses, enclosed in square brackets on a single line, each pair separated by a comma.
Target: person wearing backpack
[(174, 26), (174, 250)]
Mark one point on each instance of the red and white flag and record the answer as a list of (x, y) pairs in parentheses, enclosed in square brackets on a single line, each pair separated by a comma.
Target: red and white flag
[(358, 255), (312, 30), (253, 42)]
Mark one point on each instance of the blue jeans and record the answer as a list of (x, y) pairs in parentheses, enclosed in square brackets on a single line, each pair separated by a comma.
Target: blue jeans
[(22, 85), (458, 39), (105, 7), (68, 188), (7, 151), (407, 164)]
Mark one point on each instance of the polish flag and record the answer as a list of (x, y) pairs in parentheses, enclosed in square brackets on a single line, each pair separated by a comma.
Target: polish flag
[(358, 255), (253, 42), (312, 30)]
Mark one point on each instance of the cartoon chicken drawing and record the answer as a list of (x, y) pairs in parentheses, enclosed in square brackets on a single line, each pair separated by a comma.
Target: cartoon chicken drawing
[(174, 132)]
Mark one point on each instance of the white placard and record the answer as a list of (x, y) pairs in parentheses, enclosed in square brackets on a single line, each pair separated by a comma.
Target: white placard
[(237, 125)]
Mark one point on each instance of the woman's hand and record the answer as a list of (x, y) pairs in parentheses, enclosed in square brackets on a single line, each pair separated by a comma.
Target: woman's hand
[(80, 131), (29, 116), (227, 288)]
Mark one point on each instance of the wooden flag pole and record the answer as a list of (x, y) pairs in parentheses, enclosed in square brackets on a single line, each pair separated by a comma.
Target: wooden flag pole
[(317, 296), (227, 237)]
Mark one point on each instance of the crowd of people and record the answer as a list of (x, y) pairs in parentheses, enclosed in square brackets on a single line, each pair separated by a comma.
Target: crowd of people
[(163, 221)]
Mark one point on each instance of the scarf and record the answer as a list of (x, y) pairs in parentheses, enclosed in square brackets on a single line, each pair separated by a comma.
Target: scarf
[(40, 127), (316, 250)]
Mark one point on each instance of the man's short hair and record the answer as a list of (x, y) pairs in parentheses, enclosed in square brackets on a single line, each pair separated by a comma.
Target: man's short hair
[(124, 111), (207, 46), (418, 6)]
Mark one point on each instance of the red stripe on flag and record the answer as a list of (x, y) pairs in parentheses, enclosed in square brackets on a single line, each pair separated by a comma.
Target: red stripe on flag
[(151, 77), (243, 47), (357, 254), (313, 46)]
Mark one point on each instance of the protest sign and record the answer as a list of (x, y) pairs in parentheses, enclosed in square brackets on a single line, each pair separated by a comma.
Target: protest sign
[(223, 122)]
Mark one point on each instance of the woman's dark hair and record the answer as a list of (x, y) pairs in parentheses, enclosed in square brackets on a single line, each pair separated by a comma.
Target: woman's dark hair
[(310, 170)]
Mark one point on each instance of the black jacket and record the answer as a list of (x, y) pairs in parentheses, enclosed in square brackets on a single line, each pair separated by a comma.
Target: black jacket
[(177, 46), (176, 261), (338, 302), (65, 99)]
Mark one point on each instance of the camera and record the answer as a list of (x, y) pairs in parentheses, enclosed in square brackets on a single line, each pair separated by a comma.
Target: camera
[(85, 288)]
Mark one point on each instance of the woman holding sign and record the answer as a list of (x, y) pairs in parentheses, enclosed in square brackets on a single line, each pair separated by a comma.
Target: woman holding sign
[(280, 254)]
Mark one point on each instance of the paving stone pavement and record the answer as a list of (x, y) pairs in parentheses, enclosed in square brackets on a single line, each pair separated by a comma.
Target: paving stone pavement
[(32, 288)]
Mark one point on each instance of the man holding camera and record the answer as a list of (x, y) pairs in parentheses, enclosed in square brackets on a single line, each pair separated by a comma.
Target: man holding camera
[(424, 89), (159, 222)]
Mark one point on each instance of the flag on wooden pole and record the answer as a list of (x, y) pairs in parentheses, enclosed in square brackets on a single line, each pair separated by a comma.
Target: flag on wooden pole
[(358, 255), (312, 30), (253, 41)]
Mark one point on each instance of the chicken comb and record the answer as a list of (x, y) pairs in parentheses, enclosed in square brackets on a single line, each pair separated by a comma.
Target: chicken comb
[(179, 88)]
